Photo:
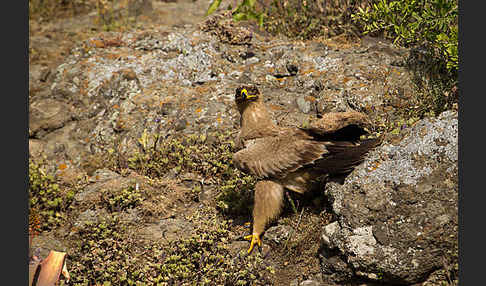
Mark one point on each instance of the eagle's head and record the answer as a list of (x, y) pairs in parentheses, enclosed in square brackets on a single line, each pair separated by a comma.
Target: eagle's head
[(246, 93)]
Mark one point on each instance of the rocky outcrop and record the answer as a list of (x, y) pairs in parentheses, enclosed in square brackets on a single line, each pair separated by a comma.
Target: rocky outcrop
[(397, 213), (115, 87)]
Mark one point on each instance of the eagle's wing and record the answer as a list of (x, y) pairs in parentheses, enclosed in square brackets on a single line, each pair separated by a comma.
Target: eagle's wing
[(343, 156), (334, 122), (276, 156), (342, 131)]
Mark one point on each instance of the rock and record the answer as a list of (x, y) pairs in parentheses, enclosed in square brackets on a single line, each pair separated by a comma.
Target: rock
[(309, 283), (278, 233), (292, 68), (105, 184), (328, 231), (61, 145), (69, 174), (397, 212), (303, 104), (167, 230), (103, 175), (208, 193), (181, 124), (43, 243), (86, 217), (238, 247), (48, 115), (37, 74), (36, 148)]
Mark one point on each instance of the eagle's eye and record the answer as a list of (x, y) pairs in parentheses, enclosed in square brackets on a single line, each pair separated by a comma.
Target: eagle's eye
[(244, 93)]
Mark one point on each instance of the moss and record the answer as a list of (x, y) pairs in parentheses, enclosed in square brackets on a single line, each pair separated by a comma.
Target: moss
[(48, 201), (103, 255), (186, 154), (123, 199), (107, 254), (209, 156), (204, 258), (236, 194)]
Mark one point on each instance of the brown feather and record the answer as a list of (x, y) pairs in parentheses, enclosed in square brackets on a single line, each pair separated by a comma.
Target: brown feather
[(334, 121), (276, 156), (344, 156)]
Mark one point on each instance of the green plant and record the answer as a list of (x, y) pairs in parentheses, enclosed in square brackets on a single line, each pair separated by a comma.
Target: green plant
[(433, 23), (245, 10), (195, 154), (107, 254), (296, 18), (181, 154), (124, 199), (48, 202), (204, 258), (103, 255), (236, 194)]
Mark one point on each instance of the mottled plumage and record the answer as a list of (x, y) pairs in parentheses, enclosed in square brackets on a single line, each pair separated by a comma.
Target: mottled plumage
[(284, 157)]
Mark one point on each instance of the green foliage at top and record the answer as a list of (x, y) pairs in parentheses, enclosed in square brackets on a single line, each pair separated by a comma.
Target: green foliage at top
[(47, 201), (295, 18), (52, 9), (432, 23), (213, 6), (245, 10)]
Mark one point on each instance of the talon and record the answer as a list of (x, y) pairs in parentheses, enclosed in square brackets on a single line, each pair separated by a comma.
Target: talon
[(255, 239)]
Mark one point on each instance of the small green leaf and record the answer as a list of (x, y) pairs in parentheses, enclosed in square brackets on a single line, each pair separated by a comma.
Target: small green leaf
[(395, 131), (260, 19), (239, 16), (213, 6)]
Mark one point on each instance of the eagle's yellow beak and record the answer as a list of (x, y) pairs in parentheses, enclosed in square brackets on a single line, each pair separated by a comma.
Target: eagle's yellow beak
[(245, 96)]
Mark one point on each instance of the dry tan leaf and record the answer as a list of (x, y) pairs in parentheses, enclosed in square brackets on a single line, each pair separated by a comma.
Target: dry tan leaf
[(51, 268), (33, 268)]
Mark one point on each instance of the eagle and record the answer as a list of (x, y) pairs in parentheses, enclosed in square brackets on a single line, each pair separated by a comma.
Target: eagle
[(292, 157)]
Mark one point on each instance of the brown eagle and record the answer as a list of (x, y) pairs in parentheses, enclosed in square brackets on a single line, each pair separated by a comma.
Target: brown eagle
[(292, 157)]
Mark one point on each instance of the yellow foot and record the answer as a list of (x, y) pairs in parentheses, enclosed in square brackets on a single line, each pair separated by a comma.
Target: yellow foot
[(255, 239)]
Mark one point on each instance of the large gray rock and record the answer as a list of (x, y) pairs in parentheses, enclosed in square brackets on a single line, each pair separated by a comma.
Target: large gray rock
[(397, 212)]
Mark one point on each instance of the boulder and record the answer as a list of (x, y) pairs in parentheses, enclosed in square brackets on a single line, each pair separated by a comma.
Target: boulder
[(397, 213)]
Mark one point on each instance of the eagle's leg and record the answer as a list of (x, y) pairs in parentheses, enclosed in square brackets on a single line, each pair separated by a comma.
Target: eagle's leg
[(267, 206)]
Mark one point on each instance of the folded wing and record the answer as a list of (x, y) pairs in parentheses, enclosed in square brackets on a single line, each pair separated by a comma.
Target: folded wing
[(276, 156), (330, 145)]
